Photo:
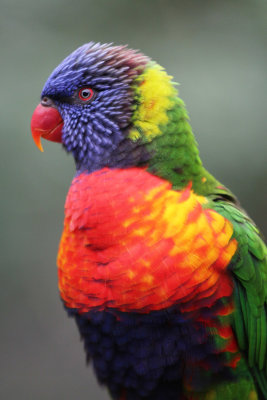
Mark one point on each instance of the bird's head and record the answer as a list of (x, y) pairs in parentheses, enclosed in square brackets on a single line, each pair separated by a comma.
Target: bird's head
[(104, 103)]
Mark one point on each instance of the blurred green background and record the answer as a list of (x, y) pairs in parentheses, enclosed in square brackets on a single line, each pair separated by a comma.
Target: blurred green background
[(216, 51)]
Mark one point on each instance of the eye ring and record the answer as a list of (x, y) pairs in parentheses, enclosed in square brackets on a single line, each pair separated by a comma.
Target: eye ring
[(86, 94)]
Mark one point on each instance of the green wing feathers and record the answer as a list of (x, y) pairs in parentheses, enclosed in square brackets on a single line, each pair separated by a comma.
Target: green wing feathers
[(249, 268)]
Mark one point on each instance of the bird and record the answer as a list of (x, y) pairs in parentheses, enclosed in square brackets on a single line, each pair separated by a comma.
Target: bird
[(163, 271)]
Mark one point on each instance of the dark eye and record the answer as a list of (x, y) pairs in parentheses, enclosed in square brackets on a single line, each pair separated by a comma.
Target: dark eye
[(86, 94)]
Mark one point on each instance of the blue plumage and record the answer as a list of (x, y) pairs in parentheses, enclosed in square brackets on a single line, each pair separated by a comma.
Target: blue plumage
[(146, 353), (95, 132)]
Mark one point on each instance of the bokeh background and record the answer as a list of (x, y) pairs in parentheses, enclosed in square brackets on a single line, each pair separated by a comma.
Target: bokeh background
[(216, 51)]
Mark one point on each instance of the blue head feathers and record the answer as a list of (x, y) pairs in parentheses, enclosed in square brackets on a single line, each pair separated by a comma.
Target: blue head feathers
[(93, 91)]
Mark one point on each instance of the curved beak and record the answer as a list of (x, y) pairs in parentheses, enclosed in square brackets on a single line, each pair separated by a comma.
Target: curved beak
[(46, 122)]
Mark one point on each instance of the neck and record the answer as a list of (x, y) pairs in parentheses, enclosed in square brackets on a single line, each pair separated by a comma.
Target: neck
[(172, 154), (175, 153)]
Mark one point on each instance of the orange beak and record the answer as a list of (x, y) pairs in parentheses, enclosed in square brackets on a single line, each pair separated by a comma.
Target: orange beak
[(47, 123)]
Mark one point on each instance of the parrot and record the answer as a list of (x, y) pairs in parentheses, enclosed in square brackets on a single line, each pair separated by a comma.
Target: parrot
[(162, 270)]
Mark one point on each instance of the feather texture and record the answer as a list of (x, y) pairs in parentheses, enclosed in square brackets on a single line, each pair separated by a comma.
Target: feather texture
[(164, 273)]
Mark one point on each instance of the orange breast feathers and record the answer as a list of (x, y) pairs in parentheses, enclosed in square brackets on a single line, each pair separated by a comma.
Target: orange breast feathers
[(132, 243)]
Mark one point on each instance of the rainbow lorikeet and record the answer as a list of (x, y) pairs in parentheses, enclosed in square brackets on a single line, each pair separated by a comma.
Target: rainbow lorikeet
[(164, 273)]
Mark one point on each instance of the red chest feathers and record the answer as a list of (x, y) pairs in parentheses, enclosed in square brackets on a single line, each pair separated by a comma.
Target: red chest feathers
[(131, 242)]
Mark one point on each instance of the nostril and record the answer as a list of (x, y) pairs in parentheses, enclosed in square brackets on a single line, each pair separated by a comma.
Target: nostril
[(47, 102)]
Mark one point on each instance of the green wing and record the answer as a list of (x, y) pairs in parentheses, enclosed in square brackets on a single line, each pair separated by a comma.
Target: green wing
[(249, 268)]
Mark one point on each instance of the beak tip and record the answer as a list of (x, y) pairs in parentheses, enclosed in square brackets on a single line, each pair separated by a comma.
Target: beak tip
[(37, 140), (40, 147)]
